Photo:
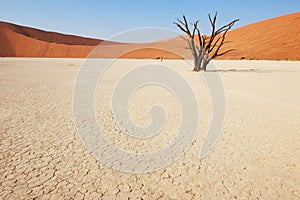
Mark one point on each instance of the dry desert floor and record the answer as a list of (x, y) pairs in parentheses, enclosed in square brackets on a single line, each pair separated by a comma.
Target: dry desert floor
[(256, 157)]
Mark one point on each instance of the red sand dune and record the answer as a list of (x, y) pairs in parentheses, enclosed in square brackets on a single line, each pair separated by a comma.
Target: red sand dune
[(19, 41), (277, 38)]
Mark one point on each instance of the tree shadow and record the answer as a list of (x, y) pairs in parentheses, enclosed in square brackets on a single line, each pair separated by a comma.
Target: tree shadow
[(252, 70), (233, 70)]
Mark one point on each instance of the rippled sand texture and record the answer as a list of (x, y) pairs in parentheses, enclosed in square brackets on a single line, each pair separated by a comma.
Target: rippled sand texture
[(257, 156)]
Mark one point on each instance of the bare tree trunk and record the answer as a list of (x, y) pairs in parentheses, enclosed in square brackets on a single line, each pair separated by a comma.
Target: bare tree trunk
[(196, 64), (199, 64), (200, 60), (205, 62)]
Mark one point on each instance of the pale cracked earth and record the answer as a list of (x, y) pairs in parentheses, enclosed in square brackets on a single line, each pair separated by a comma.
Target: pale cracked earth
[(257, 156)]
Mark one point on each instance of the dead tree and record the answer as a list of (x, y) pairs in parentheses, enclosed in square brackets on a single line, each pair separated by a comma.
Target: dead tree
[(205, 48)]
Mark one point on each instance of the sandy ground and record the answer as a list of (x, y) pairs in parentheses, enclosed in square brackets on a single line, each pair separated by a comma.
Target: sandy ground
[(41, 155)]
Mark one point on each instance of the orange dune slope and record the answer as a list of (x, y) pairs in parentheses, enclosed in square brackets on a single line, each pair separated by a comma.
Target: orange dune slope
[(277, 38), (19, 41), (273, 39)]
